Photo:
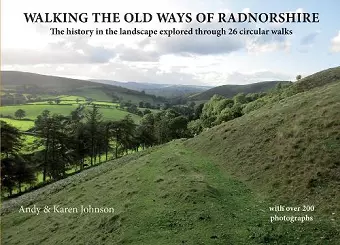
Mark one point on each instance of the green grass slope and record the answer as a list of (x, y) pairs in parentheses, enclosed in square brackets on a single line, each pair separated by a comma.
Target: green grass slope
[(12, 79), (229, 91), (167, 195), (290, 149), (213, 189), (319, 79)]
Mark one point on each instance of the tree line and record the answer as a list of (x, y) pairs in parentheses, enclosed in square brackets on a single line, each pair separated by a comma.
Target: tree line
[(220, 109), (79, 140)]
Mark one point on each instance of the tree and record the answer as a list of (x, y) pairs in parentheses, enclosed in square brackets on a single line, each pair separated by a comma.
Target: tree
[(57, 142), (42, 128), (78, 134), (20, 113), (178, 127), (115, 129), (211, 110), (128, 136), (23, 172), (10, 145), (93, 119), (14, 169), (195, 127), (240, 98), (147, 105), (11, 141), (7, 174), (298, 77), (77, 114), (132, 108), (57, 101), (198, 111), (146, 131), (147, 111)]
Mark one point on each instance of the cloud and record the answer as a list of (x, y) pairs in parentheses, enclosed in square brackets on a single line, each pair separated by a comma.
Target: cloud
[(307, 42), (136, 54), (309, 39), (268, 43), (208, 44), (82, 50), (202, 45), (335, 43), (213, 45), (178, 59), (68, 51)]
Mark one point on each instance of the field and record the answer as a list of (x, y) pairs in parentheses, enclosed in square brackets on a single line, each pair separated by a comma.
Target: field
[(22, 125), (33, 110), (71, 97), (93, 93)]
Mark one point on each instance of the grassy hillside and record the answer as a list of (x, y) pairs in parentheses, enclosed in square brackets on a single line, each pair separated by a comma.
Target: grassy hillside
[(289, 149), (216, 188), (319, 79), (31, 83), (169, 195), (229, 91), (308, 83), (12, 79)]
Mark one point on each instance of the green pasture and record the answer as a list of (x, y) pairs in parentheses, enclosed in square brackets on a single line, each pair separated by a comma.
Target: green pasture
[(95, 94), (32, 111), (22, 125)]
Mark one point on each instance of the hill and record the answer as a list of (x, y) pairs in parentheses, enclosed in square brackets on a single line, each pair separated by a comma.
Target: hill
[(36, 84), (163, 90), (216, 188), (319, 79), (229, 91)]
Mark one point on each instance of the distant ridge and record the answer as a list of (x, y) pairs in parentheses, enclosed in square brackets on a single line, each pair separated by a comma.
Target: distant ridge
[(165, 90), (231, 90), (319, 79), (16, 80)]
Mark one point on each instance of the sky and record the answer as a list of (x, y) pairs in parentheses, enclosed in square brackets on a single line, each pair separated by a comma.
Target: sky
[(191, 60)]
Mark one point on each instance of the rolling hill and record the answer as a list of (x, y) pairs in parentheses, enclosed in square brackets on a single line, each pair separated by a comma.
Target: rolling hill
[(229, 91), (31, 83), (164, 90), (318, 79), (216, 188)]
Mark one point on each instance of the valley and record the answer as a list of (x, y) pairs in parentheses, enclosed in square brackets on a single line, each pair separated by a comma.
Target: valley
[(252, 168)]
